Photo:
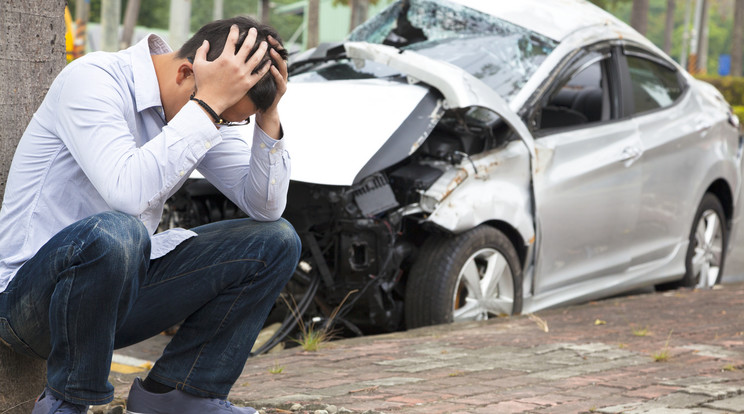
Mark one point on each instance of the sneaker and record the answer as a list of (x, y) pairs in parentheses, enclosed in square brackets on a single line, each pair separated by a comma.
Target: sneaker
[(141, 401), (49, 404)]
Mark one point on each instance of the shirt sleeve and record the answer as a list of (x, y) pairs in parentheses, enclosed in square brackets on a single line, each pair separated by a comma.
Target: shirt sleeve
[(254, 176), (95, 121)]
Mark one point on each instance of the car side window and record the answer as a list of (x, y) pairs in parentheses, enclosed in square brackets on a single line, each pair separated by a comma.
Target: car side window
[(654, 86), (581, 100)]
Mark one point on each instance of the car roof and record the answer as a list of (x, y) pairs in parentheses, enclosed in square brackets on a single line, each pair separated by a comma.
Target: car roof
[(556, 19)]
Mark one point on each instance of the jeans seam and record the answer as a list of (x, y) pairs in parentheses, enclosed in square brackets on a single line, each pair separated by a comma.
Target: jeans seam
[(18, 339), (183, 384), (65, 325), (221, 325), (92, 401), (201, 269)]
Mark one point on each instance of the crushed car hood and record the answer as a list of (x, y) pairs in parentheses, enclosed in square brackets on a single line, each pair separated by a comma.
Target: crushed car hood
[(335, 128), (343, 131)]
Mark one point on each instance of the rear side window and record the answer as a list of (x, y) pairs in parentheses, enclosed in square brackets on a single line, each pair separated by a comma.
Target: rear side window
[(654, 86)]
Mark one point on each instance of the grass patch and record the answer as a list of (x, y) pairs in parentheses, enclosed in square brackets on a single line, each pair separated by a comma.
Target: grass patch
[(641, 331), (312, 338), (663, 354), (729, 368), (276, 369)]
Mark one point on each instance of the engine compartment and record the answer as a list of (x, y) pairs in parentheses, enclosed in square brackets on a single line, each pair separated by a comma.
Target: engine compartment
[(363, 238)]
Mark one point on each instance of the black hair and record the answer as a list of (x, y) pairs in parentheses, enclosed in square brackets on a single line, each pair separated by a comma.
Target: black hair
[(264, 92)]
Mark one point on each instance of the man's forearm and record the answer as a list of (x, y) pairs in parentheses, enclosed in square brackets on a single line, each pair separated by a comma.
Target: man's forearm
[(269, 122)]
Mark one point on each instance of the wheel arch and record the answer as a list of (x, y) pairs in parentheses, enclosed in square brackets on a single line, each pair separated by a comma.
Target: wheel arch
[(514, 236), (721, 189)]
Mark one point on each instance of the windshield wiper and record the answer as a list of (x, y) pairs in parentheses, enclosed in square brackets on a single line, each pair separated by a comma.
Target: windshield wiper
[(324, 52)]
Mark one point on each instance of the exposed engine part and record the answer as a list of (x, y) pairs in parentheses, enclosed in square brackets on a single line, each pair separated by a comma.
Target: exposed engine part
[(374, 195)]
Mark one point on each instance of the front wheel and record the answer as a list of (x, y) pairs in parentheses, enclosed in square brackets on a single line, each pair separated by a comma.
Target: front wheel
[(472, 276), (706, 252)]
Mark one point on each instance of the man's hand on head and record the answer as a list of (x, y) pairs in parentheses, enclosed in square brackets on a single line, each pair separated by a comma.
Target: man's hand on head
[(222, 82), (268, 120)]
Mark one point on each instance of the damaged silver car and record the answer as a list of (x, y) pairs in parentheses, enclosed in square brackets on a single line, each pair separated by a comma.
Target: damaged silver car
[(463, 159)]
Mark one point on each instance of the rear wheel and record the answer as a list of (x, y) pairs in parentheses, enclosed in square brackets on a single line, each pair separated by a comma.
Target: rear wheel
[(472, 276), (706, 252)]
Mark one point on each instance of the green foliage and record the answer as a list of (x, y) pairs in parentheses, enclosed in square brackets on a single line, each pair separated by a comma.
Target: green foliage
[(720, 26), (155, 13), (346, 2), (607, 4), (731, 87), (739, 111)]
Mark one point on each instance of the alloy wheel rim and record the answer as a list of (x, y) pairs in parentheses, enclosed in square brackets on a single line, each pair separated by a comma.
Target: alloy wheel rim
[(708, 249), (484, 287)]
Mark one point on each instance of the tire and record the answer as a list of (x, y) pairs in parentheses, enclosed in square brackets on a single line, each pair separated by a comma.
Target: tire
[(438, 290), (706, 252)]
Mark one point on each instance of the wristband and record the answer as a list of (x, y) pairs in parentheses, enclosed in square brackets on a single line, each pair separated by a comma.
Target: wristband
[(210, 111)]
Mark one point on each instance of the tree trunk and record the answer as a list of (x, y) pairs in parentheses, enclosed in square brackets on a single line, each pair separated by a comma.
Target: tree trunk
[(130, 21), (110, 19), (313, 17), (669, 26), (359, 10), (265, 11), (639, 16), (218, 13), (704, 39), (179, 23), (32, 52), (737, 43)]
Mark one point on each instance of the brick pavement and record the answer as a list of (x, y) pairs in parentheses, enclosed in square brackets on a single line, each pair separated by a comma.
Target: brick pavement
[(678, 352)]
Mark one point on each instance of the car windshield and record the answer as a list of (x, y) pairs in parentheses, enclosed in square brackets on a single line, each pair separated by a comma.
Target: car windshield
[(499, 53)]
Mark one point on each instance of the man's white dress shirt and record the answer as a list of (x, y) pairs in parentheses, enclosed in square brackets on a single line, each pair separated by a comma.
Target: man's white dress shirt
[(99, 142)]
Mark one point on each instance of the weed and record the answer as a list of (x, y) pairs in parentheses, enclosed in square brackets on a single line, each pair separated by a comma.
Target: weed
[(663, 355), (456, 374), (729, 367), (541, 323), (312, 338), (641, 331), (276, 369)]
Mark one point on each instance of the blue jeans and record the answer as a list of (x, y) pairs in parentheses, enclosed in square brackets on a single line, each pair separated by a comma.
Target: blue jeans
[(92, 288)]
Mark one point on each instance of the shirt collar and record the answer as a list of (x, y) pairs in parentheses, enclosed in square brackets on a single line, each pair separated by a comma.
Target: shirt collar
[(146, 88)]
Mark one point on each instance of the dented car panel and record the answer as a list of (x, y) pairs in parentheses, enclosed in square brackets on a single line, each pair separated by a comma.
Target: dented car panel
[(494, 187)]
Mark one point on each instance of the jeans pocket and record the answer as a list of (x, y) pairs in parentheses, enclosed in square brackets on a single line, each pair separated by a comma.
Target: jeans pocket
[(9, 337)]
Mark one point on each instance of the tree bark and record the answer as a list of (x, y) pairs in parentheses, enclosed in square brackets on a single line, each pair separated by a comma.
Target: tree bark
[(130, 21), (32, 52), (737, 43), (639, 16), (359, 11), (703, 39), (669, 25), (313, 26), (110, 19), (179, 23), (218, 12), (265, 11)]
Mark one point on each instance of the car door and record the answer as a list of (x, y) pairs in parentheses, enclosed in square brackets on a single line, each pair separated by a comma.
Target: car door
[(587, 182), (670, 126)]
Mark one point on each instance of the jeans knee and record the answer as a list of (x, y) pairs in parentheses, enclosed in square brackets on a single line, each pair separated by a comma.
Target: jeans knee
[(280, 246), (287, 235), (117, 238)]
